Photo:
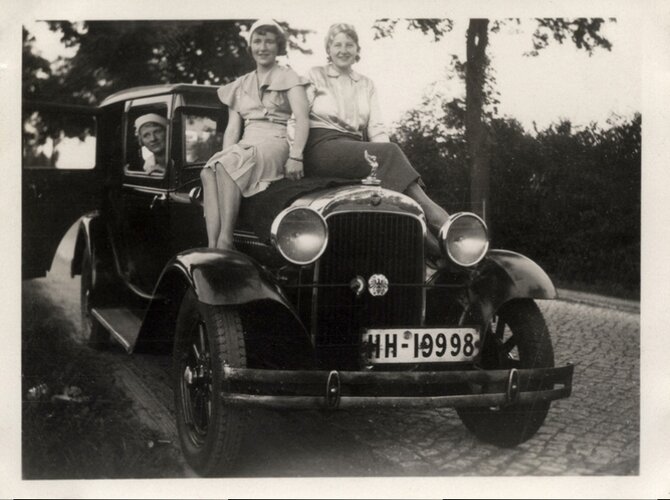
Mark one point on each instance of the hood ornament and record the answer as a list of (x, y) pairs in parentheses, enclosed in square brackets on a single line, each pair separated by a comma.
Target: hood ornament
[(371, 180)]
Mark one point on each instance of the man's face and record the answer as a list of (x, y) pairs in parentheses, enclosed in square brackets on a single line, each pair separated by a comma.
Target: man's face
[(152, 136)]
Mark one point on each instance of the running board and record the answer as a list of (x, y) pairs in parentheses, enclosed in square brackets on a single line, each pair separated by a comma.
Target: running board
[(122, 324)]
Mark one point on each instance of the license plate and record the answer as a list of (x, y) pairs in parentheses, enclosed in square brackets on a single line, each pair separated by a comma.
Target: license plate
[(420, 345)]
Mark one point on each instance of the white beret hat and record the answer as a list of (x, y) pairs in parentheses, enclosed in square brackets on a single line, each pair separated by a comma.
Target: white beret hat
[(265, 22), (149, 118)]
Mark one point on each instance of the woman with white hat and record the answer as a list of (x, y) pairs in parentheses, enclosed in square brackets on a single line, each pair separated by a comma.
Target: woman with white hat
[(260, 103)]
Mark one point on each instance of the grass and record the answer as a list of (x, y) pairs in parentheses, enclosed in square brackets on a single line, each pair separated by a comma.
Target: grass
[(99, 437)]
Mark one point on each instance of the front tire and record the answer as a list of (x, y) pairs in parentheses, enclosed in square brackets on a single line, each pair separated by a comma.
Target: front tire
[(517, 338), (207, 338)]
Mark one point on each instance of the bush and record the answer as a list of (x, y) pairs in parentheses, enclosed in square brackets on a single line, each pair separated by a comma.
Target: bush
[(569, 199)]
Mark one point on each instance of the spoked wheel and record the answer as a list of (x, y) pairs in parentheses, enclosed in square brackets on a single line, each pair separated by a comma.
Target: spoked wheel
[(517, 338), (93, 332), (207, 338)]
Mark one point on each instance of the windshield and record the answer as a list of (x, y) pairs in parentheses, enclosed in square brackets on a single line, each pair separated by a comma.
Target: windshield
[(203, 134)]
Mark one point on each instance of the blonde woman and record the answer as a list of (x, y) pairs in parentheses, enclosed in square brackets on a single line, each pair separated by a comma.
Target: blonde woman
[(345, 121)]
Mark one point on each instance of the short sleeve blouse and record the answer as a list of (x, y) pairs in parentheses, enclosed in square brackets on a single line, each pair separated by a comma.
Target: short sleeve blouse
[(264, 100)]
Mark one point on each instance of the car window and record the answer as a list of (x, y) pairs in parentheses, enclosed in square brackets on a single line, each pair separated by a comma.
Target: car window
[(147, 141), (203, 135), (58, 137)]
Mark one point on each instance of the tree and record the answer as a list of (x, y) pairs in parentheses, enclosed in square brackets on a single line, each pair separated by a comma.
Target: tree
[(476, 132), (114, 55), (583, 32)]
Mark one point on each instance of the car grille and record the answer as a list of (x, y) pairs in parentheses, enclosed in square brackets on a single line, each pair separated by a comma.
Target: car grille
[(362, 244)]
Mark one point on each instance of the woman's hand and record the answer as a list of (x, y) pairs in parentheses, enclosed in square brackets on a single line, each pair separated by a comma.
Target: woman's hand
[(293, 169)]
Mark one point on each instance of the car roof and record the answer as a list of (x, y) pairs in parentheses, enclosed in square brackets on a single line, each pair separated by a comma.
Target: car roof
[(154, 90)]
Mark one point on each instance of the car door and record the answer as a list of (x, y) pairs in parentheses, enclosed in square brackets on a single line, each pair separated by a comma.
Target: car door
[(141, 225), (197, 135), (61, 179)]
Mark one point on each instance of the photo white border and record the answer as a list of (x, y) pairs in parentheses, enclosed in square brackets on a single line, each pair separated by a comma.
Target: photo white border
[(654, 478)]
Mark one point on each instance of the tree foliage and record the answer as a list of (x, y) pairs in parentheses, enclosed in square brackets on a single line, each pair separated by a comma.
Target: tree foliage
[(115, 55), (36, 71), (567, 197), (583, 32), (437, 28)]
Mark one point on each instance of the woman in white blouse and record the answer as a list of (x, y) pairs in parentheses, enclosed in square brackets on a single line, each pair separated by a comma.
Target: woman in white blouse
[(345, 122)]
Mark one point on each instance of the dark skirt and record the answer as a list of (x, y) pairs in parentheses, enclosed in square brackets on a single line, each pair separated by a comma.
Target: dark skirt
[(330, 153)]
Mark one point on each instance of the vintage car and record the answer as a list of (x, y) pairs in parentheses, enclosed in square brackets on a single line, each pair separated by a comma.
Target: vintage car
[(326, 303)]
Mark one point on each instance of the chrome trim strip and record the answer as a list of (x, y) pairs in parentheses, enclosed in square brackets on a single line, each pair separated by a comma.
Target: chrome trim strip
[(148, 189), (424, 226), (350, 195), (139, 292), (416, 402), (143, 175), (110, 329)]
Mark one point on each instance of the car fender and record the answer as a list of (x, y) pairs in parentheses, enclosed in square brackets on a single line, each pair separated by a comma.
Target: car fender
[(217, 277), (503, 276), (90, 235), (223, 277)]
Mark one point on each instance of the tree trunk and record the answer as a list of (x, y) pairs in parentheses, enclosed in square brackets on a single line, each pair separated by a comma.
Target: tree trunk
[(476, 132)]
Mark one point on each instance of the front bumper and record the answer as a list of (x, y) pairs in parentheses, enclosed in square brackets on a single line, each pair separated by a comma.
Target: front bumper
[(313, 389)]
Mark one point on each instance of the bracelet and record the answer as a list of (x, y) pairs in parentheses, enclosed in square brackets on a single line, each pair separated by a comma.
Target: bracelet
[(295, 159)]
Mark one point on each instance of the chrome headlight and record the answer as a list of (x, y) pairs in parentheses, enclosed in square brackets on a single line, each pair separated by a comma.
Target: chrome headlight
[(300, 234), (464, 238)]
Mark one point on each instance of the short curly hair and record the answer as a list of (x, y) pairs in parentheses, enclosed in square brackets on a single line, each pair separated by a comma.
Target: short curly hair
[(347, 29), (264, 29)]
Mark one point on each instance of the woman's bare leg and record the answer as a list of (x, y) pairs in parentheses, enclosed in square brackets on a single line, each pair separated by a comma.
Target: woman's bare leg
[(229, 196), (210, 206)]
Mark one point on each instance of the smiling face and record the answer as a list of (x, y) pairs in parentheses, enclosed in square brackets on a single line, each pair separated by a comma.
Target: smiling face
[(264, 48), (343, 51), (152, 137)]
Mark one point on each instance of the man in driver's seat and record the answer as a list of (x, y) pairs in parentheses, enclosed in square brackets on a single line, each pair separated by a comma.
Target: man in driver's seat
[(150, 130)]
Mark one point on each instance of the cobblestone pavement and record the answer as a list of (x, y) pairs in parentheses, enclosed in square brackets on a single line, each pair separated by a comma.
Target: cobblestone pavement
[(594, 432)]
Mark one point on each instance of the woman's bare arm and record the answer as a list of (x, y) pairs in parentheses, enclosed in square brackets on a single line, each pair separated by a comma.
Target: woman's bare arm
[(233, 129), (297, 98)]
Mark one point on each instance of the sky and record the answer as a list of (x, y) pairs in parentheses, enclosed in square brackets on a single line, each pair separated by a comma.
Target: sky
[(562, 82)]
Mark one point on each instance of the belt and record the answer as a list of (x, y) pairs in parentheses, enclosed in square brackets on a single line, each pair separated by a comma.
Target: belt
[(269, 119)]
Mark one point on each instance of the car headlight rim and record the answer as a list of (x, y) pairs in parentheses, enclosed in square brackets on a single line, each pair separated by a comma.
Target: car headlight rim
[(450, 225), (277, 238)]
